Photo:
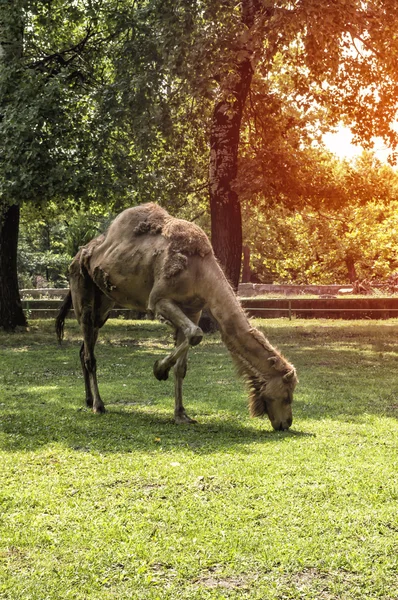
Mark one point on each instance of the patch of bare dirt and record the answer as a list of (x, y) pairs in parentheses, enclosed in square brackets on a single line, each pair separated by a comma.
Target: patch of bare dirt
[(214, 579), (310, 578)]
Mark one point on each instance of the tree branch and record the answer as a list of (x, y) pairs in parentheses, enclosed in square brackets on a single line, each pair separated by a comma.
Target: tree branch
[(60, 57)]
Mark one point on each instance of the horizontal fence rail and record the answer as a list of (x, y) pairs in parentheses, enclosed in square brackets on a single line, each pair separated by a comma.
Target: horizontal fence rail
[(332, 308)]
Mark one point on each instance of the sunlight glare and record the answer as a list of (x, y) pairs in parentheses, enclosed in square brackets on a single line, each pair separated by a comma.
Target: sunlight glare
[(340, 143)]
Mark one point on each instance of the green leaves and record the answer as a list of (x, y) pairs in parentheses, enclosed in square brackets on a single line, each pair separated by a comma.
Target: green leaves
[(338, 223), (49, 238)]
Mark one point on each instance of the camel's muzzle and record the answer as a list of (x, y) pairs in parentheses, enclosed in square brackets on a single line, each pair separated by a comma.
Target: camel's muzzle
[(283, 426)]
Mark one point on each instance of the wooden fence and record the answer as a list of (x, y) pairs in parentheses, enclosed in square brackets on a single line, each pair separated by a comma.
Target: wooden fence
[(327, 308)]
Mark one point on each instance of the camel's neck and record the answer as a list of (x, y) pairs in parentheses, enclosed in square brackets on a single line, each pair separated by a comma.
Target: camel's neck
[(246, 344)]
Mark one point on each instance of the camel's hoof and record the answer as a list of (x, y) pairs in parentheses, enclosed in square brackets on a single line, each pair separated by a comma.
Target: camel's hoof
[(183, 419), (197, 337), (160, 373), (99, 410)]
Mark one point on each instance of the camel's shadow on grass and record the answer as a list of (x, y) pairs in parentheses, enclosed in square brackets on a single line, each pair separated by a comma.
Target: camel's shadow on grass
[(130, 429)]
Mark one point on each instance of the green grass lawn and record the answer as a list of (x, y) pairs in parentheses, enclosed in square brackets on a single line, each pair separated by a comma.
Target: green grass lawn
[(130, 505)]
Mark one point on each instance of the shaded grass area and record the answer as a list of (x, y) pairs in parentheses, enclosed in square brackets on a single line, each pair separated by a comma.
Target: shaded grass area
[(129, 505)]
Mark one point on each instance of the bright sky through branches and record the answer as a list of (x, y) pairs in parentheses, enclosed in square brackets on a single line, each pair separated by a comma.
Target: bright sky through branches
[(340, 143)]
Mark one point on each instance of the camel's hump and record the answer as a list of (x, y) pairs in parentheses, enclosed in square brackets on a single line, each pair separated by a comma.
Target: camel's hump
[(184, 237)]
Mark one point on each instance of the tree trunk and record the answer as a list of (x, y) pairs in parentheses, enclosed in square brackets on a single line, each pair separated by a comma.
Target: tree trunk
[(226, 218), (350, 264), (11, 313), (11, 34), (246, 271)]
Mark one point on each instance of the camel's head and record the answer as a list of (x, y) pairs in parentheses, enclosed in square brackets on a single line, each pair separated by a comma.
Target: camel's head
[(274, 397)]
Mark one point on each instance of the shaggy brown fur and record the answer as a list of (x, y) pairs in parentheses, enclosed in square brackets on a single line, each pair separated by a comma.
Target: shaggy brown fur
[(186, 239)]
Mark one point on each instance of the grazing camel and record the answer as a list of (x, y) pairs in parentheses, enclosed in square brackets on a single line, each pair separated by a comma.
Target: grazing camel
[(150, 261)]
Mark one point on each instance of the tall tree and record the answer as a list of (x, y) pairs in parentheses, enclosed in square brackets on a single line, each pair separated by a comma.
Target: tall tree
[(226, 220), (11, 39)]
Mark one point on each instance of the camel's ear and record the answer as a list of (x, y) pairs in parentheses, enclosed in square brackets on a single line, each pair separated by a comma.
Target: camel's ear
[(288, 378)]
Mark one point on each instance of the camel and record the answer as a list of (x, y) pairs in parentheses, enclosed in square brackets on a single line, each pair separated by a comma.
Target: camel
[(155, 263)]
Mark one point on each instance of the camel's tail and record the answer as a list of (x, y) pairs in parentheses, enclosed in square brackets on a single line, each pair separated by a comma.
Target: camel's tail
[(63, 311)]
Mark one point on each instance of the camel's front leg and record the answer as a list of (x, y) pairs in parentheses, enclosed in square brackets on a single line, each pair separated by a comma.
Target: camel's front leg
[(180, 370), (190, 334), (162, 366), (187, 333), (168, 310)]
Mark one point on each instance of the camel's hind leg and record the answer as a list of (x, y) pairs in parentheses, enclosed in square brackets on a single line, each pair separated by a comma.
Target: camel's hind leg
[(88, 360), (86, 377), (92, 308), (89, 368)]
